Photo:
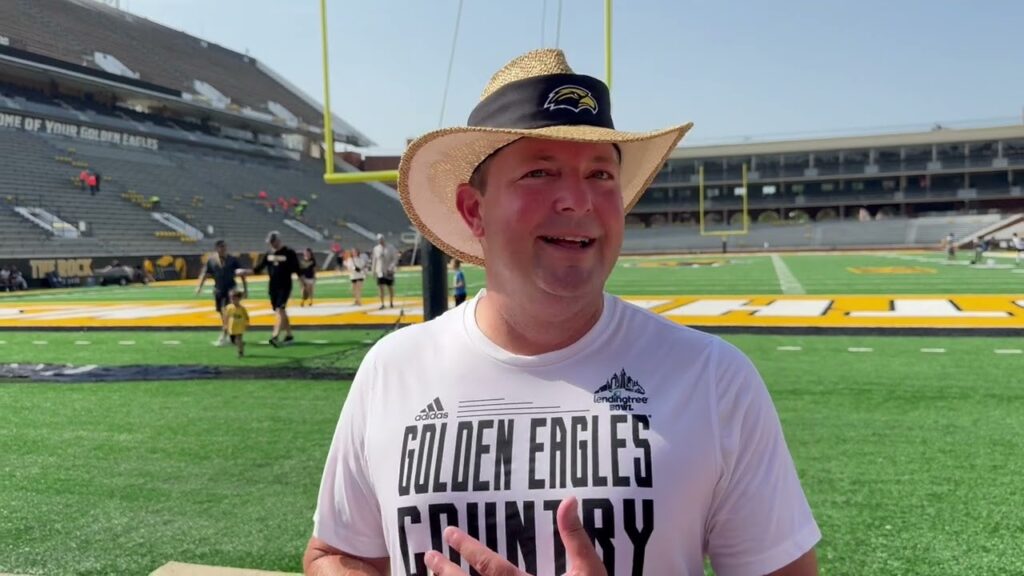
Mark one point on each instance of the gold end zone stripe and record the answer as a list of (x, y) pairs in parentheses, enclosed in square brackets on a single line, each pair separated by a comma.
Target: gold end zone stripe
[(905, 311)]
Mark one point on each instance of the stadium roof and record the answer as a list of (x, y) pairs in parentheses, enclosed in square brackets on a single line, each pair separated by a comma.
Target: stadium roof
[(87, 34), (936, 136)]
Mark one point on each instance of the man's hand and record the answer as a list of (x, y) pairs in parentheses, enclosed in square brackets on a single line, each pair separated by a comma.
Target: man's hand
[(583, 558)]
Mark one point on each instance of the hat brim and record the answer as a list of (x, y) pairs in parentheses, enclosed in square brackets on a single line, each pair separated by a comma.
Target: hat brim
[(436, 163)]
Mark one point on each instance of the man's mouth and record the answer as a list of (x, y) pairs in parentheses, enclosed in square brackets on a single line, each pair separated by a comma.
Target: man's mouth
[(569, 241)]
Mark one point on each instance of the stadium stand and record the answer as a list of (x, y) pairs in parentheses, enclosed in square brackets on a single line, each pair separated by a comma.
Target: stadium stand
[(184, 133), (925, 232)]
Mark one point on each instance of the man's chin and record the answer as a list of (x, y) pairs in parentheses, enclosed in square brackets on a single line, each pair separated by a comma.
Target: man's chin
[(571, 283)]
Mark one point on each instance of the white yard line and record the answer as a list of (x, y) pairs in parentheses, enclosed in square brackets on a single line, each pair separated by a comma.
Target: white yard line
[(860, 349), (82, 342), (40, 342), (171, 342), (933, 350), (789, 348), (788, 282), (127, 342), (1009, 351)]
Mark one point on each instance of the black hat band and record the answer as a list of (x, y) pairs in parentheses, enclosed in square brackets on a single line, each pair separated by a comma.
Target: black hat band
[(543, 101)]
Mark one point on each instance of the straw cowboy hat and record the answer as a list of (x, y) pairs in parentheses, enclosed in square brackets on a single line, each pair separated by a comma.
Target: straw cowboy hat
[(536, 95)]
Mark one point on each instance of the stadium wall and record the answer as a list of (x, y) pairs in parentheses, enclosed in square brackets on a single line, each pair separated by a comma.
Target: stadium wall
[(110, 270)]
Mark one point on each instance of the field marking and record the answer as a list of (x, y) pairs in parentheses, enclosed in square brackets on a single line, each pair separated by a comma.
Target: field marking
[(933, 350), (320, 342), (171, 342), (40, 342), (2, 342), (127, 342), (82, 342), (856, 349), (787, 282), (789, 348), (1009, 351)]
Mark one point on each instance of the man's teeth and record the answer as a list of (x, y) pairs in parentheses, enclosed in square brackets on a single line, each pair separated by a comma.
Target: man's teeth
[(583, 241)]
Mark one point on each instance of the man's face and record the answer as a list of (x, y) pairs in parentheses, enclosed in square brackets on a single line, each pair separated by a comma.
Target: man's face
[(550, 218), (222, 250)]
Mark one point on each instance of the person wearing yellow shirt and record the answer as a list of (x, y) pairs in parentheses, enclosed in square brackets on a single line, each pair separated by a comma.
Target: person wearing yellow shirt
[(238, 321)]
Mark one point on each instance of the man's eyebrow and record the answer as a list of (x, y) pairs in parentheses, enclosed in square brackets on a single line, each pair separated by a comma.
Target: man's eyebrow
[(600, 158)]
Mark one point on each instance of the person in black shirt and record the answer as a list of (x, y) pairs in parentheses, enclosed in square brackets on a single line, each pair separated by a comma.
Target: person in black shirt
[(280, 262), (224, 268), (307, 275)]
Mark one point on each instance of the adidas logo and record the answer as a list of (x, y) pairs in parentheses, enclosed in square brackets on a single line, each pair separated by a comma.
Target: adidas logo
[(433, 411)]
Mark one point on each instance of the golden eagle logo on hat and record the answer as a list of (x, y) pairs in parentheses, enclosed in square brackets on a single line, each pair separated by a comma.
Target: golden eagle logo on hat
[(573, 98)]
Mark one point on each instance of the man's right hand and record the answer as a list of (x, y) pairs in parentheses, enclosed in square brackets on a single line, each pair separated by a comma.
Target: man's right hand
[(583, 558)]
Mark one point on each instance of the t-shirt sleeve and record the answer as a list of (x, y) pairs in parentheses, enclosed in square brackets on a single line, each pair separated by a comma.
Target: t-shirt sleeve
[(348, 513), (760, 519)]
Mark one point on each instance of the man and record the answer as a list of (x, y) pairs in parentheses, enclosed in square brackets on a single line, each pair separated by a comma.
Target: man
[(384, 261), (224, 268), (280, 262), (1017, 244), (462, 438)]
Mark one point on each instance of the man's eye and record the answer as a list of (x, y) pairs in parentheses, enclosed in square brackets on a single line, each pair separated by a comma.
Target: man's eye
[(603, 175), (538, 173)]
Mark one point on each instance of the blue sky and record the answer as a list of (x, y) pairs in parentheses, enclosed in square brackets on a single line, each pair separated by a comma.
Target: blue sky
[(752, 69)]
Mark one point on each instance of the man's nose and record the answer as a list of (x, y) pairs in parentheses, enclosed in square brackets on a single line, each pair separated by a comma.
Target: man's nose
[(573, 195)]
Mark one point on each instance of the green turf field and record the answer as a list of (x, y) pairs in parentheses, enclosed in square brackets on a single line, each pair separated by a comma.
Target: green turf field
[(910, 456), (922, 273)]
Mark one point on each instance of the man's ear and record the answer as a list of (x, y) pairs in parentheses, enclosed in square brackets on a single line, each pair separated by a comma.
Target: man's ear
[(469, 203)]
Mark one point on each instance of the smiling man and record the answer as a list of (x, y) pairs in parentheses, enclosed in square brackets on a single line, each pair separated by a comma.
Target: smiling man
[(546, 425)]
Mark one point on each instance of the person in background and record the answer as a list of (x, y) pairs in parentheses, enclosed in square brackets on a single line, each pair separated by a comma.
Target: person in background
[(307, 275), (1017, 244), (459, 282), (280, 262), (355, 264), (92, 182), (385, 262), (238, 320), (225, 269), (950, 244)]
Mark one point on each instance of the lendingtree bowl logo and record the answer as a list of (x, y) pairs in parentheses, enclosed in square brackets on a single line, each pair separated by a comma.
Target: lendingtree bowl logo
[(621, 392)]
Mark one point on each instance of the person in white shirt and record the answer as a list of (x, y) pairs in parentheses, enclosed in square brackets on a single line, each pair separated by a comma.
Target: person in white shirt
[(355, 264), (546, 427), (1018, 245), (385, 263)]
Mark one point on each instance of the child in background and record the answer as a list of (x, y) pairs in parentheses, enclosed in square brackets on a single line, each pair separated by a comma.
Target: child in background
[(238, 320), (460, 283)]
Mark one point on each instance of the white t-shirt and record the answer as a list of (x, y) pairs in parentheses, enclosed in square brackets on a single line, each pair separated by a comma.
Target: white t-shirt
[(666, 435), (356, 266), (385, 260), (1018, 243)]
